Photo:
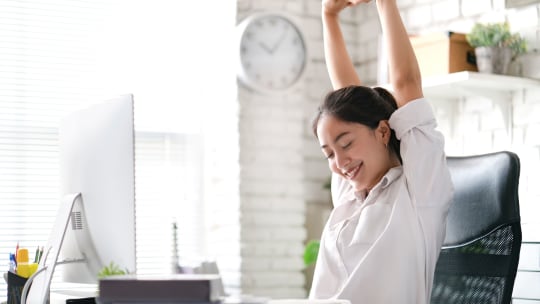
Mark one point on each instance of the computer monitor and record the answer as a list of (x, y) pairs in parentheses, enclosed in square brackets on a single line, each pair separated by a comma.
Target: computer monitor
[(95, 224)]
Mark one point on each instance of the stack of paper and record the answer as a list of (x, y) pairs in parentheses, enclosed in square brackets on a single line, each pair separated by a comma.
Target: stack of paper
[(177, 288)]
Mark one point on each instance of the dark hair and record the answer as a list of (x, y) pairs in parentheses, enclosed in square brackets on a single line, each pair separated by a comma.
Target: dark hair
[(363, 105)]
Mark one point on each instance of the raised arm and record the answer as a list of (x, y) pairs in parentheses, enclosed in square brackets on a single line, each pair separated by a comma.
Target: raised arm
[(338, 62), (403, 67)]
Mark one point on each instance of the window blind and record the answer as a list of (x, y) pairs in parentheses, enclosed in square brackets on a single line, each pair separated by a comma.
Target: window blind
[(57, 56)]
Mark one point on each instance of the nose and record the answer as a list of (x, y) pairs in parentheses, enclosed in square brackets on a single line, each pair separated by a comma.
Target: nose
[(341, 159)]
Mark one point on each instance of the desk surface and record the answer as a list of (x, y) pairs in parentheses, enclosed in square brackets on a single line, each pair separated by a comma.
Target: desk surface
[(60, 292)]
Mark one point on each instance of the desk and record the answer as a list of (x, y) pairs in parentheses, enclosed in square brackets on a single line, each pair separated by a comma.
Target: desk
[(61, 292)]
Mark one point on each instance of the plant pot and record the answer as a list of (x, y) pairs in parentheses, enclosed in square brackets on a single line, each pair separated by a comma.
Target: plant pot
[(530, 65), (493, 59)]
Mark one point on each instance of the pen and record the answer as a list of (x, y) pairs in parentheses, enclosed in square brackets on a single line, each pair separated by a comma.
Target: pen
[(36, 257), (12, 263), (40, 254), (16, 252)]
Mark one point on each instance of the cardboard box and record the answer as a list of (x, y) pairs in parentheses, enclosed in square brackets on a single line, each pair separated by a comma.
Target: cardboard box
[(443, 53)]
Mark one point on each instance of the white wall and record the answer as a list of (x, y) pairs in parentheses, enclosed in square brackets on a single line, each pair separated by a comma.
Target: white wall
[(278, 154)]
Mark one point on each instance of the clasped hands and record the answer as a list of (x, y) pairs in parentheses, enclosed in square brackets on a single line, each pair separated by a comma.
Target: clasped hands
[(335, 6)]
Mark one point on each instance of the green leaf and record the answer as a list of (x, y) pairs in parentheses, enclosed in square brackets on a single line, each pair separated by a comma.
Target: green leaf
[(310, 252), (496, 34), (111, 269)]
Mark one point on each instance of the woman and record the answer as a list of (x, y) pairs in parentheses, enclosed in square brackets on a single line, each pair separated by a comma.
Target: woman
[(391, 188)]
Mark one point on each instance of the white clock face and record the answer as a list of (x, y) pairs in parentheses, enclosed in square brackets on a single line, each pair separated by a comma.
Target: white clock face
[(272, 53)]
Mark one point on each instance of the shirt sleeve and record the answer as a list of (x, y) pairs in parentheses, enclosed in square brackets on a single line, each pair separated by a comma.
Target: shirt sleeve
[(422, 152)]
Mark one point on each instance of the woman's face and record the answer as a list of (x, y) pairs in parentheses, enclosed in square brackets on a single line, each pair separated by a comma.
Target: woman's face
[(354, 151)]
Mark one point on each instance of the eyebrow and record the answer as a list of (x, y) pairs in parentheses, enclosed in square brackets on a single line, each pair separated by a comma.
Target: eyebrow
[(336, 139)]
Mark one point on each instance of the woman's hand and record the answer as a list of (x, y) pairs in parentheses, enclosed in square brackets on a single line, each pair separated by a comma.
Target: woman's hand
[(333, 7)]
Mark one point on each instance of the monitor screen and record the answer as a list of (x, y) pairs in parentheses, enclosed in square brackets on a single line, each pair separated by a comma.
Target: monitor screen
[(97, 160), (95, 224)]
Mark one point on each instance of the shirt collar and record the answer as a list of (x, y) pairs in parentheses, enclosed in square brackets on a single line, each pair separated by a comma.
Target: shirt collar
[(390, 176)]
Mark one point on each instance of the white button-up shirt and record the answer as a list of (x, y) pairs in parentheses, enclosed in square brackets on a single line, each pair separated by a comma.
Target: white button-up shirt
[(383, 247)]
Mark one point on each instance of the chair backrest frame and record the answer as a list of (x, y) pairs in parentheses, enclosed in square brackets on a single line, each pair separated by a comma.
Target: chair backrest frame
[(485, 207)]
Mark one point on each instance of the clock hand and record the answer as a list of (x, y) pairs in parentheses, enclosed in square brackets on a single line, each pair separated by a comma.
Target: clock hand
[(266, 48), (280, 40)]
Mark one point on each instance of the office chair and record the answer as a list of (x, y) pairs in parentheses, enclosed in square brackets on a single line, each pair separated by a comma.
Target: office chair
[(480, 254)]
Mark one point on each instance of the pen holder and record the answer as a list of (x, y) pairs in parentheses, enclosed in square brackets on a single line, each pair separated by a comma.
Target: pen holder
[(15, 286)]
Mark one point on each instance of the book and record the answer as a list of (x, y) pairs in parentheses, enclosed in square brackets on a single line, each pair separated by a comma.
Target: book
[(175, 288)]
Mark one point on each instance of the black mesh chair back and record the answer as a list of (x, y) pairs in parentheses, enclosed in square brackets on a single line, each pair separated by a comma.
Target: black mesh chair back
[(480, 253)]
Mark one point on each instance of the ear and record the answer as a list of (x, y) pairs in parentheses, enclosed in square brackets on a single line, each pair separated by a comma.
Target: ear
[(384, 131)]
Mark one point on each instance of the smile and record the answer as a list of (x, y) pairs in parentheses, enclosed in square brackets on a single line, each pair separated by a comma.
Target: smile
[(350, 174)]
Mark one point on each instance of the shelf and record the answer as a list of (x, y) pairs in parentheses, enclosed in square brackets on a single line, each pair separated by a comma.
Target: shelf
[(461, 84)]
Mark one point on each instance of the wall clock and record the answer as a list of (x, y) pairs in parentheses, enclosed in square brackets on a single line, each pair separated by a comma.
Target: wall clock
[(272, 52)]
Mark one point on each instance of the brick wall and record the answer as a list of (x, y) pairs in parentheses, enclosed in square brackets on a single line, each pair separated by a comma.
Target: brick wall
[(280, 201)]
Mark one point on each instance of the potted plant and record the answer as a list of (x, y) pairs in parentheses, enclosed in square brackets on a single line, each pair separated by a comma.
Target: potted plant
[(495, 46)]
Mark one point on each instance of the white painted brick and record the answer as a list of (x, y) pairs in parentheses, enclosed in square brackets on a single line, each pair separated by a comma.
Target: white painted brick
[(348, 15), (318, 196), (477, 104), (262, 218), (311, 29), (478, 142), (317, 169), (523, 18), (417, 17), (369, 30), (445, 10), (406, 3), (243, 5), (369, 11), (454, 146), (269, 5), (372, 51), (275, 279), (467, 123), (316, 55), (526, 114), (312, 8), (530, 210), (273, 234), (273, 202), (251, 187), (492, 120), (266, 189), (349, 31), (274, 248), (532, 135), (501, 140), (470, 8), (499, 5), (371, 68), (295, 7), (270, 112), (461, 25), (532, 96), (271, 156), (271, 173), (518, 136), (492, 17), (272, 263), (279, 293)]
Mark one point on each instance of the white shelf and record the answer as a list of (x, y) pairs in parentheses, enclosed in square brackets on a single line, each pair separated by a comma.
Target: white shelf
[(456, 85)]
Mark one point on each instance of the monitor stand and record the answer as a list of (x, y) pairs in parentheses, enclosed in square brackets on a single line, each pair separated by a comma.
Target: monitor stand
[(41, 280)]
